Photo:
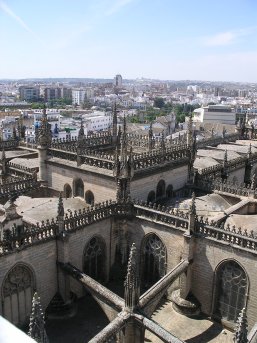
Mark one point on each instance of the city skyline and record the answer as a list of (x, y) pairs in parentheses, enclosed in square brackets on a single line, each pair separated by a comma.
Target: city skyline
[(136, 38)]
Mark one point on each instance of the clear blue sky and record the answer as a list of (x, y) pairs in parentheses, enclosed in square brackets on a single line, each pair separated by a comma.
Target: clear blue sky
[(164, 39)]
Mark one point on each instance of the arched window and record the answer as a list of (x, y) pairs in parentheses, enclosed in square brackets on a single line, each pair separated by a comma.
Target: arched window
[(17, 292), (154, 260), (78, 189), (67, 192), (151, 197), (94, 259), (169, 191), (231, 290), (89, 197), (160, 190)]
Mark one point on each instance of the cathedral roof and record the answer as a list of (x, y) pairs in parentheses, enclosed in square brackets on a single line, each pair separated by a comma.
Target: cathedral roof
[(35, 210)]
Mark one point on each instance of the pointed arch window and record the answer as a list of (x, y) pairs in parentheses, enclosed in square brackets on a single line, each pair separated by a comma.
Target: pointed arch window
[(154, 260), (89, 197), (94, 259), (231, 290), (79, 188), (160, 189), (67, 191), (17, 293)]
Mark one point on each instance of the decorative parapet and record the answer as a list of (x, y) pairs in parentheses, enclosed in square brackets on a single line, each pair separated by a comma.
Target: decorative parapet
[(14, 240), (231, 165), (71, 144), (240, 189), (231, 235), (65, 155), (155, 157), (172, 217), (18, 186), (13, 167), (17, 239), (9, 144), (214, 141)]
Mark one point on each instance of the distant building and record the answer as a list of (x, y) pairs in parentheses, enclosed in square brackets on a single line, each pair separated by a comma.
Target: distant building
[(118, 80), (215, 113), (97, 121), (29, 93), (78, 96), (53, 93)]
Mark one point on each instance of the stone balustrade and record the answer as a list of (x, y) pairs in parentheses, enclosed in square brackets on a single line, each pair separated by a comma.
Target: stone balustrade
[(9, 144), (170, 216), (229, 234), (18, 186)]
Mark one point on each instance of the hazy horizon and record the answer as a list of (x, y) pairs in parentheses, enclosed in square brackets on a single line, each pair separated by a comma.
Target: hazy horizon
[(162, 40)]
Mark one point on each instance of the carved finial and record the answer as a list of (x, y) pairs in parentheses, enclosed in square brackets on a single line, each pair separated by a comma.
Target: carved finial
[(253, 181), (60, 206), (162, 141), (192, 209), (114, 121), (225, 160), (3, 155), (45, 134), (37, 322), (132, 281), (81, 130), (249, 154), (240, 335), (224, 131)]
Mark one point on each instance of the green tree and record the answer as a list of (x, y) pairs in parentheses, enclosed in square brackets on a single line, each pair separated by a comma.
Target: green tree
[(159, 102)]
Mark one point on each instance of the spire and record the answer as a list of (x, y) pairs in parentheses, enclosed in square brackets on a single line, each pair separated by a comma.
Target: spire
[(37, 322), (224, 173), (253, 181), (192, 208), (225, 159), (189, 130), (60, 215), (131, 283), (14, 134), (114, 120), (249, 153), (3, 158), (45, 135), (60, 206), (150, 137), (81, 130), (240, 335), (224, 131), (162, 141)]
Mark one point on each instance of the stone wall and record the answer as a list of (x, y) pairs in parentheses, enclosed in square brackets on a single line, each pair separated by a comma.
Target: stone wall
[(138, 229), (177, 177), (41, 259), (103, 188), (208, 255)]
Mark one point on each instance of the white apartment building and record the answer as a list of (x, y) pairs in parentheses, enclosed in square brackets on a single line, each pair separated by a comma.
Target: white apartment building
[(215, 114), (97, 121), (78, 96)]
